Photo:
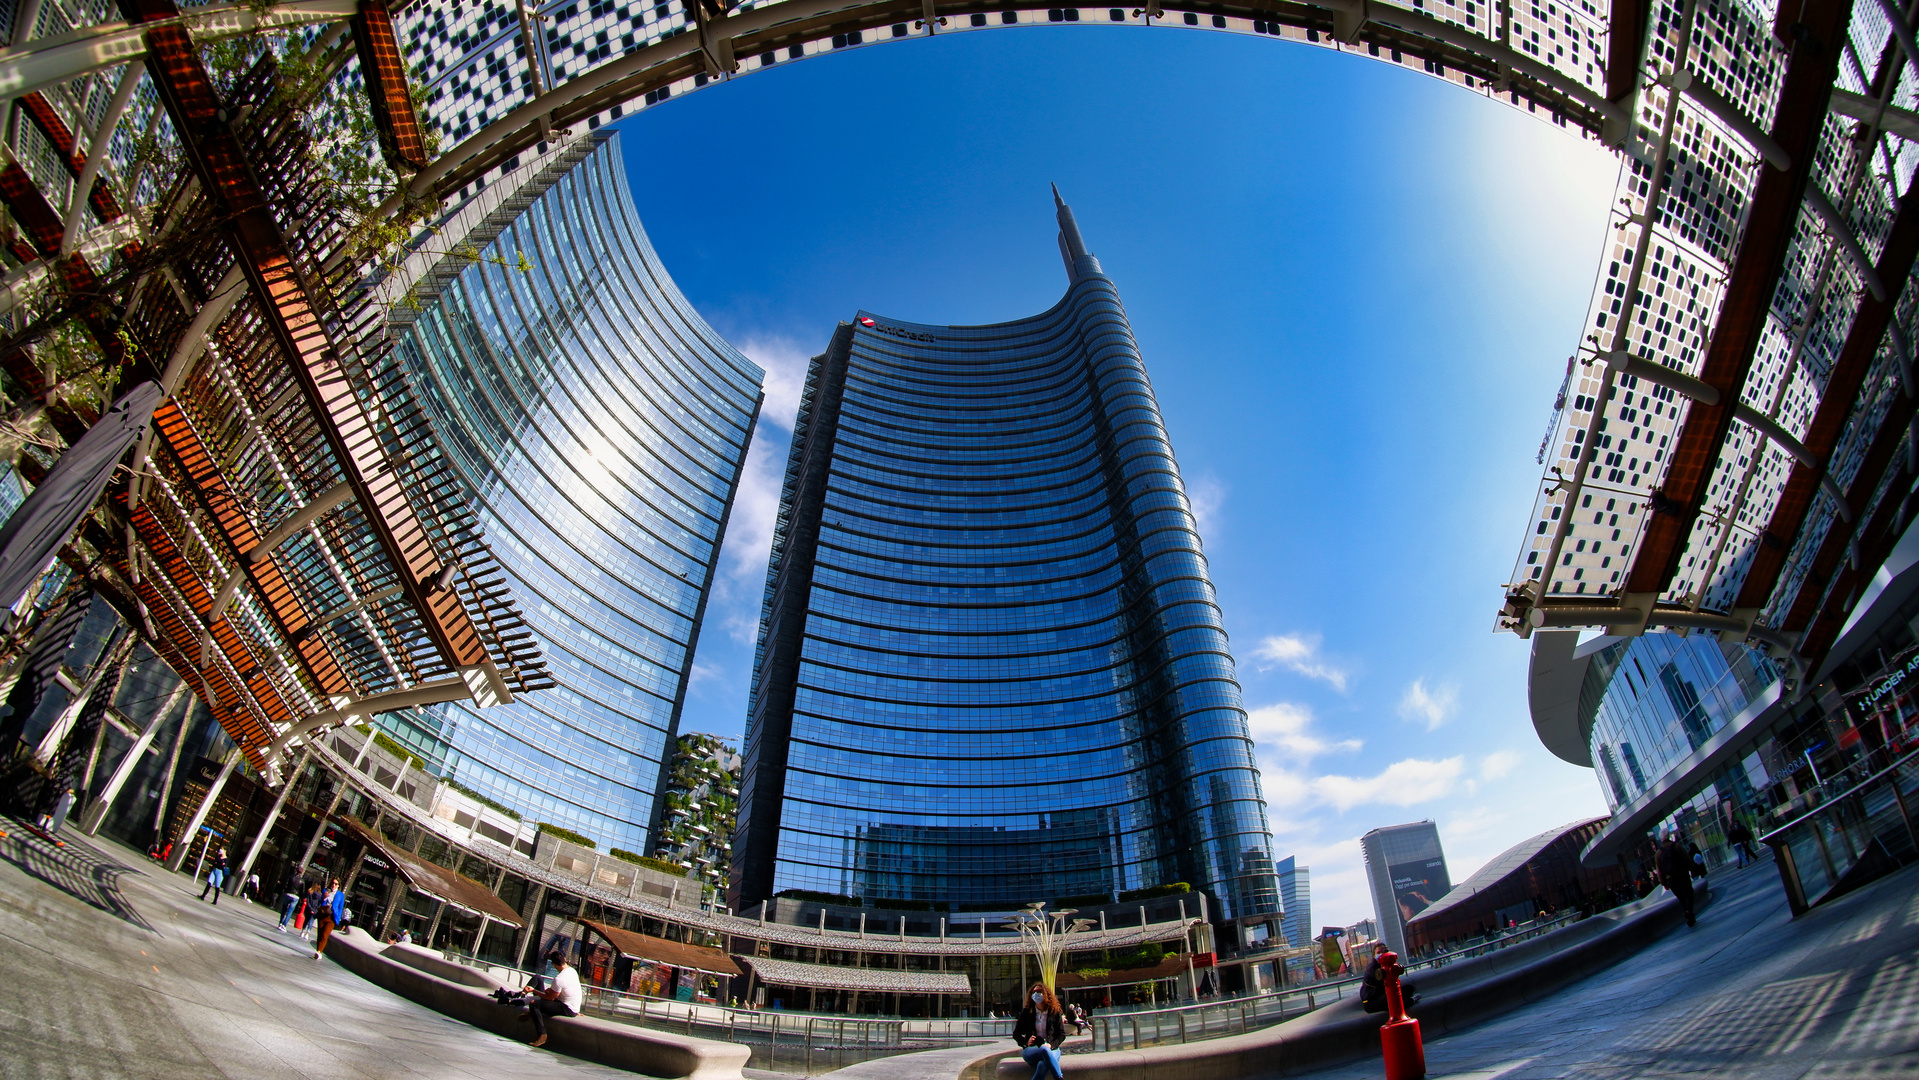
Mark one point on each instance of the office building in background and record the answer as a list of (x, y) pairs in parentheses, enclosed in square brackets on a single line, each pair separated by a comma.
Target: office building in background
[(599, 425), (991, 667), (1406, 870), (1296, 899)]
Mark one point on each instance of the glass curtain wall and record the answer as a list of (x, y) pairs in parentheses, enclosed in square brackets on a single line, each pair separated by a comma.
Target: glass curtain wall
[(992, 669), (600, 426), (1650, 701)]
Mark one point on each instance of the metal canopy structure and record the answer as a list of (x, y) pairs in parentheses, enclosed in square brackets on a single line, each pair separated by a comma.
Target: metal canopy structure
[(862, 979), (447, 886), (658, 950), (1731, 449)]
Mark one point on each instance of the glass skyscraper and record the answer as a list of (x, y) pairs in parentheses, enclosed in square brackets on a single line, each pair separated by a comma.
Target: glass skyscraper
[(991, 666), (599, 425)]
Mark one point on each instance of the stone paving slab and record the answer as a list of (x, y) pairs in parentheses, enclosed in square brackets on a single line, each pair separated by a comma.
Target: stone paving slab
[(1749, 993), (115, 969)]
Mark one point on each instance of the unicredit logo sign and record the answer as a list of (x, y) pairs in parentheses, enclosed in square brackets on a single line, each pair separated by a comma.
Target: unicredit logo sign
[(894, 331)]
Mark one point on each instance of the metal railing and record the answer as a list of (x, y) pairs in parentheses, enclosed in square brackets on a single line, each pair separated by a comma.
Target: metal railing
[(1858, 827), (780, 1040), (1180, 1024)]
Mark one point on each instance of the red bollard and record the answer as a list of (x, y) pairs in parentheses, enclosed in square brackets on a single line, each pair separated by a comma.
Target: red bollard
[(1399, 1039)]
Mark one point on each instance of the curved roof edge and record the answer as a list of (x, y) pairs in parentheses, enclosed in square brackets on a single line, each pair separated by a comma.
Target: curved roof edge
[(1553, 679), (1502, 865), (1681, 782)]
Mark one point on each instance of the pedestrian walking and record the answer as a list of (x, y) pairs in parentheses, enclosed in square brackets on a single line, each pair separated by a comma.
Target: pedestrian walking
[(310, 909), (1741, 837), (332, 912), (1675, 872), (1039, 1031), (216, 876), (290, 900)]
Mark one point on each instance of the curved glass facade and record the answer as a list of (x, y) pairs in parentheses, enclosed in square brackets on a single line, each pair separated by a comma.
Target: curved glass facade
[(599, 425), (1648, 702), (991, 664)]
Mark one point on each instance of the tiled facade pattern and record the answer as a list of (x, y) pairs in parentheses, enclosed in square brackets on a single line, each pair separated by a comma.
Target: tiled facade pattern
[(1731, 49)]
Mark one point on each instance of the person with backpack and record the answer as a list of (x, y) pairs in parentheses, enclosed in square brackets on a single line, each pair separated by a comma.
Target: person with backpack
[(1372, 988), (1039, 1031)]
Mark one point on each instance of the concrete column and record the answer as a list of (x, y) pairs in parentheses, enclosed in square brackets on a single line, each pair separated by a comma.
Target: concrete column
[(93, 759), (339, 792), (112, 660), (439, 909), (206, 806), (96, 811), (530, 916), (266, 827), (166, 778), (395, 897)]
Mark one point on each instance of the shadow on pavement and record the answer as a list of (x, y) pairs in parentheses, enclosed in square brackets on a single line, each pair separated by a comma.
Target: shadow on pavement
[(76, 869)]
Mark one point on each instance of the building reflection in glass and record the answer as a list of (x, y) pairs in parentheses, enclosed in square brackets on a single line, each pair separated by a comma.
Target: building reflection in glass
[(991, 666), (599, 425)]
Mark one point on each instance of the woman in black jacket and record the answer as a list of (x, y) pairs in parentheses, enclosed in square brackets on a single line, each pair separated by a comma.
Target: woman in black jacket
[(1040, 1030)]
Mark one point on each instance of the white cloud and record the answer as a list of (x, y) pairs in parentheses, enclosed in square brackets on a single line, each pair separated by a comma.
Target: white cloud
[(1287, 727), (785, 363), (1434, 707), (1207, 493), (1499, 763), (1300, 653), (1403, 783), (756, 505)]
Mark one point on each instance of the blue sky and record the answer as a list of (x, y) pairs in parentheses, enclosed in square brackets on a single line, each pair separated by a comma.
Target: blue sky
[(1355, 288)]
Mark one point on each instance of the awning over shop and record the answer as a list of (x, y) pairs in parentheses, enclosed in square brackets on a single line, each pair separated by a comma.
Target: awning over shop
[(658, 950), (451, 887), (835, 977), (1170, 968)]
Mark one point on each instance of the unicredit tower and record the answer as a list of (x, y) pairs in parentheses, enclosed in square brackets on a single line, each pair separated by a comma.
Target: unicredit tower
[(991, 667)]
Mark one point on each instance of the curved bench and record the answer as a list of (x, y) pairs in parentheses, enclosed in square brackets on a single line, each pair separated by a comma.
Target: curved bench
[(422, 976), (1453, 997)]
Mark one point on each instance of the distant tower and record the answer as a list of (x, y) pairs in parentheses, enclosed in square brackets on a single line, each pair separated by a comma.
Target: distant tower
[(991, 667), (1296, 897), (1407, 871)]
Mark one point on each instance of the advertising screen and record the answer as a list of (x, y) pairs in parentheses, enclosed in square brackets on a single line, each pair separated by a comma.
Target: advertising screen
[(1417, 884)]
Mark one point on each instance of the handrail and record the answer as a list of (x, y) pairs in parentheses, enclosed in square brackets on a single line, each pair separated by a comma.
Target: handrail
[(1831, 800), (1231, 1016), (977, 1027)]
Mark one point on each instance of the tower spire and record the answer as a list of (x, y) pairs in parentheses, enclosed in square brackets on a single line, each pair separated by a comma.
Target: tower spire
[(1072, 247)]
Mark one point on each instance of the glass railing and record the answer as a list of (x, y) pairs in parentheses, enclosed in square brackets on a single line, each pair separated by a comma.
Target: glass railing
[(1179, 1024), (1854, 827)]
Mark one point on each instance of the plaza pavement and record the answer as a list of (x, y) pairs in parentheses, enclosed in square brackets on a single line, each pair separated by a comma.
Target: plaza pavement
[(1748, 994), (114, 969)]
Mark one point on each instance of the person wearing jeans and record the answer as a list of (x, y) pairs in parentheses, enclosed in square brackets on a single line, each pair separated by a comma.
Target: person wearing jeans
[(216, 877), (1040, 1030), (563, 998)]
